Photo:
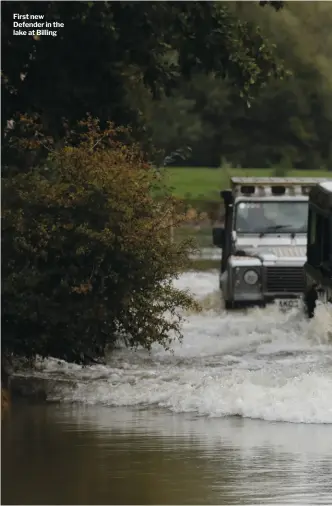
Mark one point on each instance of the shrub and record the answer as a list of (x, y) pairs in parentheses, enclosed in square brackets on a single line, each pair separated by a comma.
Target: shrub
[(87, 256)]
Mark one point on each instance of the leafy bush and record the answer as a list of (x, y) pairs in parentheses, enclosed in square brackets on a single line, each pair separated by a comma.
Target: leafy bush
[(87, 256)]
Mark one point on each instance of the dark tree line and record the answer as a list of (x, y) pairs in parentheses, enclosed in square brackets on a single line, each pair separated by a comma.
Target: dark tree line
[(289, 123), (229, 80), (108, 51)]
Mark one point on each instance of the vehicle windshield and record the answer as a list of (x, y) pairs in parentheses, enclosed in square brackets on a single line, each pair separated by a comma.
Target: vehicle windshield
[(270, 217)]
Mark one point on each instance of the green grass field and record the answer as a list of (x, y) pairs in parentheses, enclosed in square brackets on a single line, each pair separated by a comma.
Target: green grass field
[(205, 183)]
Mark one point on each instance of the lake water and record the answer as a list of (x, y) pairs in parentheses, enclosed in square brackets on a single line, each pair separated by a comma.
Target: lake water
[(239, 413)]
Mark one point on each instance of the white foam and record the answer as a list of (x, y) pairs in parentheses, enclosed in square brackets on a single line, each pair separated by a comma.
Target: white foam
[(199, 284), (262, 364)]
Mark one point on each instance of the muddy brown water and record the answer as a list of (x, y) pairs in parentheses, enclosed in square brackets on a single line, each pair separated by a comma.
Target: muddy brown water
[(67, 454)]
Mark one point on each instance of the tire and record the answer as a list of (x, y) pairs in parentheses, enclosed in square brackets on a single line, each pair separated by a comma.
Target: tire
[(310, 300)]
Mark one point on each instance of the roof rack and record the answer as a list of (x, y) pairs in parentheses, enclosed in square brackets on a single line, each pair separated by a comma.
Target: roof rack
[(321, 195), (289, 181), (274, 186), (327, 186)]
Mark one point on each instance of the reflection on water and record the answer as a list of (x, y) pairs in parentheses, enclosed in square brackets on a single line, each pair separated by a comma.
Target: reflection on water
[(66, 454)]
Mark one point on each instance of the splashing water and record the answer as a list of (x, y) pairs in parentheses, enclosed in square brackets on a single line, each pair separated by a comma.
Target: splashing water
[(259, 364)]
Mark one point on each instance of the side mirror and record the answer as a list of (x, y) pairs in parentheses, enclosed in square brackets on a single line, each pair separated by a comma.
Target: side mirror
[(218, 235), (227, 197)]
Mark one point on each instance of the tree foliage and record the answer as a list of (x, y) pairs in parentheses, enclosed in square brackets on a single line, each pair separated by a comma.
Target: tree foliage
[(288, 122), (87, 256), (108, 48)]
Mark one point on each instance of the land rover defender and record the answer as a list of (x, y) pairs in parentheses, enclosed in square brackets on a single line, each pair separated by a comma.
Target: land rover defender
[(263, 240), (318, 267)]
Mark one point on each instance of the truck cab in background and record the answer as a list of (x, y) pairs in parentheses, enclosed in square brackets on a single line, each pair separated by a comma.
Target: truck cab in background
[(264, 240), (318, 267)]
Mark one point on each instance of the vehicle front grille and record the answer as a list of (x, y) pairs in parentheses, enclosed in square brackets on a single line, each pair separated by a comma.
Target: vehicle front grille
[(285, 279)]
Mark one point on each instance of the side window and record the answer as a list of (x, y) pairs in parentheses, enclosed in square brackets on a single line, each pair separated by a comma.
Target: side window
[(312, 226), (330, 238), (319, 238), (319, 232), (316, 245), (326, 239)]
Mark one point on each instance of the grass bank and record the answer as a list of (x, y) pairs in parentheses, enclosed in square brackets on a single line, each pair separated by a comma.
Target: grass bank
[(205, 183), (202, 234)]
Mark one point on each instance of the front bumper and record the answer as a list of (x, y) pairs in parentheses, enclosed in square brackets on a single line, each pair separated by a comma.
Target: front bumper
[(264, 298)]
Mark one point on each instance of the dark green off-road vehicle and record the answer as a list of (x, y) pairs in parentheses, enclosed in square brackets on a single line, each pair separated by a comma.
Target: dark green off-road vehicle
[(318, 267)]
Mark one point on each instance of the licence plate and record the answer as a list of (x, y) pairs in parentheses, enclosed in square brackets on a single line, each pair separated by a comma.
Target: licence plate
[(288, 303)]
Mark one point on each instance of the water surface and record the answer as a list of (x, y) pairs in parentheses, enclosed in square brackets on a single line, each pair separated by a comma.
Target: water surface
[(239, 413), (98, 455)]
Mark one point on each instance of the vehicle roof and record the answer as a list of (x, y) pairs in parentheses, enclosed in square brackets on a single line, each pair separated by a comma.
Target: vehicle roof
[(321, 195), (279, 180), (327, 186), (273, 198)]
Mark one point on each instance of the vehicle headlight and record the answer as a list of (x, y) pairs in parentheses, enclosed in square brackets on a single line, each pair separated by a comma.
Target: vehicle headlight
[(250, 277)]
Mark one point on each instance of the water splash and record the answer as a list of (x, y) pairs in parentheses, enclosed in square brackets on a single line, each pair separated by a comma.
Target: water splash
[(258, 364)]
